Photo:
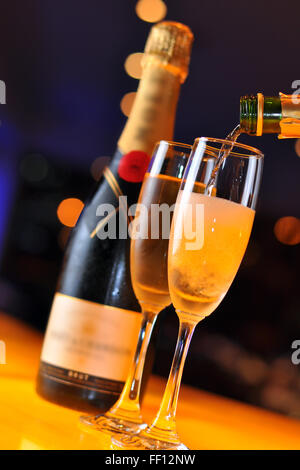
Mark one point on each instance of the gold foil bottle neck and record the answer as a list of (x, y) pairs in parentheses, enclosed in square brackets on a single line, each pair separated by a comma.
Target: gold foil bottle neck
[(170, 43)]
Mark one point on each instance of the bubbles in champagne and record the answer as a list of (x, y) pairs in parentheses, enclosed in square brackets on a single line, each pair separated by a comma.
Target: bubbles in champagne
[(201, 289)]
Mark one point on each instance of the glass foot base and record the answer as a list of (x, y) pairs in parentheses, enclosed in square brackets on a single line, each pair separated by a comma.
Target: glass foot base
[(112, 425), (144, 443)]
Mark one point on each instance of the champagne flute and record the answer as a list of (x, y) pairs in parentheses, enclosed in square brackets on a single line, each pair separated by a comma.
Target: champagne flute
[(209, 235), (148, 261)]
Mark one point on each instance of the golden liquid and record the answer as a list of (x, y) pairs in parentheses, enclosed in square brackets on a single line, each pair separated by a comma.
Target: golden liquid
[(200, 278), (149, 257), (224, 152)]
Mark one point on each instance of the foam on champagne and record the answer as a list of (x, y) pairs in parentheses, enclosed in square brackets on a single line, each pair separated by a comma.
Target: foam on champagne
[(199, 279)]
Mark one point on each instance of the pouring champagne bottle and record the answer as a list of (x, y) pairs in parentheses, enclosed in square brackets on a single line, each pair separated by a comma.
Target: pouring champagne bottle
[(95, 319), (261, 114)]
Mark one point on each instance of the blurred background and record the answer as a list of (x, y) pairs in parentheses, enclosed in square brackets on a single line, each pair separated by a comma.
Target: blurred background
[(67, 96)]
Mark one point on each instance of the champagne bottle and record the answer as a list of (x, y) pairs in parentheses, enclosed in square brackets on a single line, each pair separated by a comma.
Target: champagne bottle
[(270, 114), (94, 320)]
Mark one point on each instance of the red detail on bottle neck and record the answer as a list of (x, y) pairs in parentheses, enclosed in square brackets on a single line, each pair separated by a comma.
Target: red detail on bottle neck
[(133, 166)]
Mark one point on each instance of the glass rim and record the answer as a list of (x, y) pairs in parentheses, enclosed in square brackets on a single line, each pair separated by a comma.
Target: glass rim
[(174, 144), (253, 150)]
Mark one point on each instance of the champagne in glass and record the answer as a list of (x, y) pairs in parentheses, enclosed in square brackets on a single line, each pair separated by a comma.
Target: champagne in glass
[(148, 252), (200, 278), (208, 239)]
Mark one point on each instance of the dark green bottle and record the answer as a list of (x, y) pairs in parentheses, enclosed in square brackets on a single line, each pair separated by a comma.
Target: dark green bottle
[(261, 114)]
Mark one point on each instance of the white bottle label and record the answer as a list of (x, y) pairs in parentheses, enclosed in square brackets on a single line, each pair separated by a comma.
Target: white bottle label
[(94, 339)]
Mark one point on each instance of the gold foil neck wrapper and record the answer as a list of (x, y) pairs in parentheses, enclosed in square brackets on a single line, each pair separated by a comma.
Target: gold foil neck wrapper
[(290, 122), (170, 43)]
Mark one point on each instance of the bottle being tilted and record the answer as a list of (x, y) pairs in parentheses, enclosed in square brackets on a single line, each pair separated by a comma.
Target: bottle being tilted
[(94, 320), (261, 114)]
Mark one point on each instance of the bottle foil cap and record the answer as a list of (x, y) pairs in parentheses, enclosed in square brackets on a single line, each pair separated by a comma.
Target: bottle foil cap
[(170, 43)]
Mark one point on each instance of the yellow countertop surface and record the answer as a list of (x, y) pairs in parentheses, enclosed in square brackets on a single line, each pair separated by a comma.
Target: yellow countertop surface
[(205, 421)]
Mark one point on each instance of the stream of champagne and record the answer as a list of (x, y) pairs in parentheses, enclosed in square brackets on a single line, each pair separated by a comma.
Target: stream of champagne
[(223, 154)]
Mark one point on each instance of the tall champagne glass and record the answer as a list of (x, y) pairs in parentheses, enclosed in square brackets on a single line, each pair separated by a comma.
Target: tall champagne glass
[(209, 235), (150, 232)]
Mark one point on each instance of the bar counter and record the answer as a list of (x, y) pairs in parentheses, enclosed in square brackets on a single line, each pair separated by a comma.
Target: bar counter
[(205, 421)]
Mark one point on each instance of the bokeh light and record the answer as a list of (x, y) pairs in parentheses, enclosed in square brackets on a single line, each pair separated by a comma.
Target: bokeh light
[(127, 102), (133, 64), (151, 10), (287, 230), (69, 210), (297, 147)]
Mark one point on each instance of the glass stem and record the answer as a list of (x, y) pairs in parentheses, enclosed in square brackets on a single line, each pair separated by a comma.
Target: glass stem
[(164, 425), (128, 405)]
